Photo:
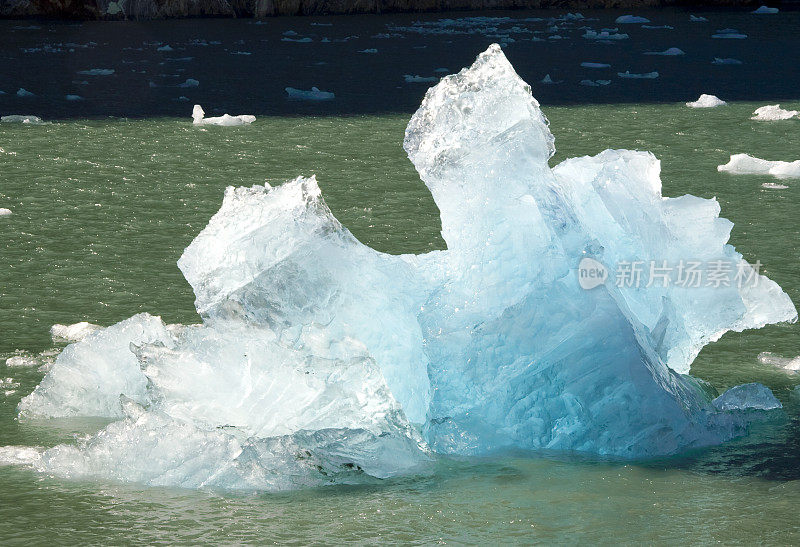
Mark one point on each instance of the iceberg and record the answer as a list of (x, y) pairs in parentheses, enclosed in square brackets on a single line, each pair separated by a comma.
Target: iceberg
[(314, 94), (4, 212), (322, 361), (744, 164), (706, 101), (747, 397), (198, 118), (773, 112)]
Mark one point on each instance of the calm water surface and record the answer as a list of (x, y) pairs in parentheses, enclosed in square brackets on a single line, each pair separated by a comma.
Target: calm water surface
[(103, 209)]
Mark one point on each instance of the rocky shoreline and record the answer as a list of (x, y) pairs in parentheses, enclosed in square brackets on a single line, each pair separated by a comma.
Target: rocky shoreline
[(164, 9)]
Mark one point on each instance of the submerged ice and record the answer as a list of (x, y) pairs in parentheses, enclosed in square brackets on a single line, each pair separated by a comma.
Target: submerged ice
[(320, 360)]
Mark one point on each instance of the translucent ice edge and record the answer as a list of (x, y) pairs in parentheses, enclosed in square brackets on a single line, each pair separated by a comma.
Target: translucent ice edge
[(316, 353)]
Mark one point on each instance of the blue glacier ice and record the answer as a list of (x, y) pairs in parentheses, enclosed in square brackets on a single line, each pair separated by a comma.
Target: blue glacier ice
[(320, 360)]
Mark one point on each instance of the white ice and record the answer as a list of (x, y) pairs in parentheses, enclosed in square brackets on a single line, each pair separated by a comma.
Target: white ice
[(773, 112), (744, 164), (322, 361), (72, 333), (784, 363), (5, 212), (22, 118), (314, 94), (706, 101), (198, 118), (630, 19)]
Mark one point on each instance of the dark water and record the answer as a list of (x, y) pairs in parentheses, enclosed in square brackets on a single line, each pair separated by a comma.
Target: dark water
[(374, 83)]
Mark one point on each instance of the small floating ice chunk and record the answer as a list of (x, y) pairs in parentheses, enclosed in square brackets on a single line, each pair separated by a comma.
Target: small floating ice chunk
[(190, 82), (697, 19), (744, 164), (442, 69), (20, 455), (604, 35), (369, 50), (753, 396), (73, 98), (774, 186), (785, 363), (594, 83), (5, 212), (772, 112), (729, 33), (97, 72), (631, 19), (17, 118), (73, 333), (415, 78), (706, 101), (22, 92), (765, 10), (667, 52), (226, 120), (645, 76), (313, 95), (548, 80), (298, 40), (165, 47), (725, 61), (595, 65), (241, 53)]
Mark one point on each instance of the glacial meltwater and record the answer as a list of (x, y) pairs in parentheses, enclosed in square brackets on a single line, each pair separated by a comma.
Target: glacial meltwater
[(102, 209)]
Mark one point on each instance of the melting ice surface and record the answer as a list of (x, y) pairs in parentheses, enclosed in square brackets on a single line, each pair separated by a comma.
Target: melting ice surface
[(320, 360)]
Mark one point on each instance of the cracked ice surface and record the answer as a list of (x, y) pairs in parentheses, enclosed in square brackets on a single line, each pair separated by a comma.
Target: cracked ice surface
[(317, 353)]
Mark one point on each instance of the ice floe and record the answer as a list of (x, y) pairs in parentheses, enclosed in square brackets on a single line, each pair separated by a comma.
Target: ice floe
[(644, 76), (368, 50), (706, 101), (744, 164), (73, 97), (765, 10), (725, 61), (22, 118), (72, 333), (729, 33), (97, 72), (697, 19), (667, 52), (416, 78), (22, 92), (594, 83), (631, 19), (316, 353), (548, 80), (595, 65), (314, 94), (773, 112), (604, 35), (190, 82), (198, 118), (784, 363), (774, 186)]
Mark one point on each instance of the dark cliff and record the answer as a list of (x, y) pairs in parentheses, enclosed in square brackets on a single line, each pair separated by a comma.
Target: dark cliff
[(159, 9)]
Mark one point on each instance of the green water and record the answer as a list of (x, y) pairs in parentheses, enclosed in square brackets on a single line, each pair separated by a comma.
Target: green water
[(103, 209)]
